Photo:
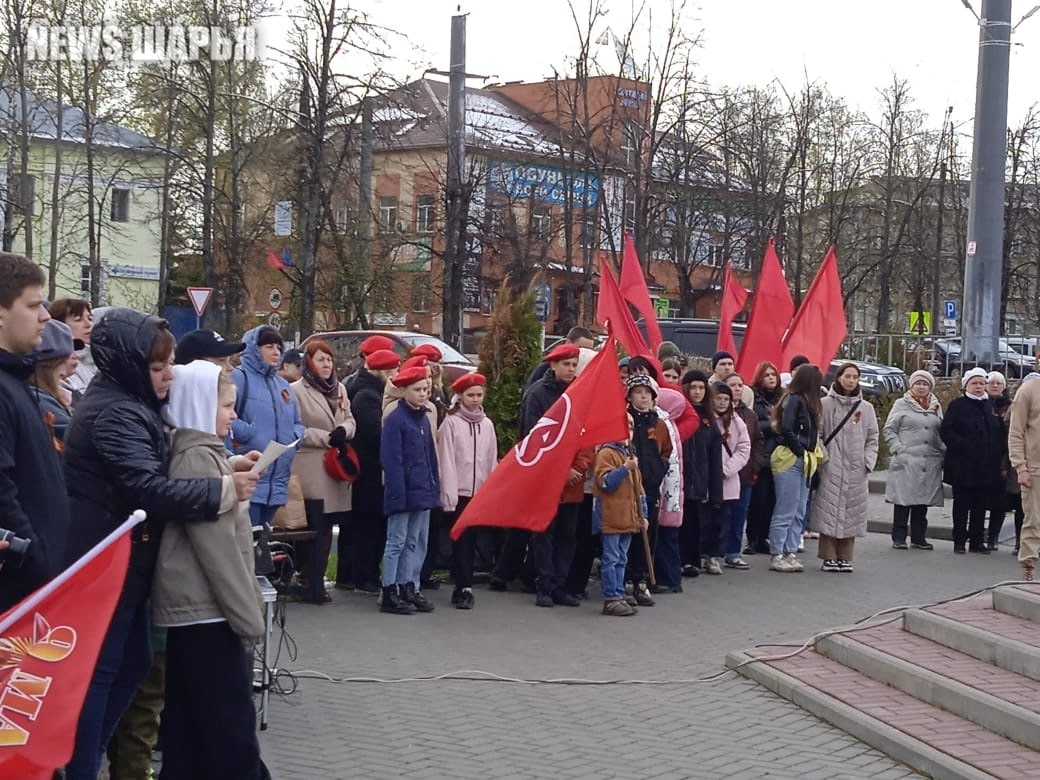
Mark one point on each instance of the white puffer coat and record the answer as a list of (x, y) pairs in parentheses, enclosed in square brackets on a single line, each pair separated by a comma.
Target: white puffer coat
[(839, 507)]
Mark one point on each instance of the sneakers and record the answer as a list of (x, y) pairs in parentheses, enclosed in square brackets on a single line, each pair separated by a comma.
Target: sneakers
[(1027, 571), (793, 563), (831, 565), (642, 595), (921, 546), (900, 546), (801, 543), (416, 598), (463, 599), (779, 563), (736, 563), (712, 566), (812, 534), (630, 600), (617, 608), (749, 550), (959, 549), (657, 589), (845, 566), (689, 570), (497, 585)]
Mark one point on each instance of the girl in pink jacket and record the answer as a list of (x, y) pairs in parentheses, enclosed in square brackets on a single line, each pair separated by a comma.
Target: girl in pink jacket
[(736, 450), (467, 451), (671, 405)]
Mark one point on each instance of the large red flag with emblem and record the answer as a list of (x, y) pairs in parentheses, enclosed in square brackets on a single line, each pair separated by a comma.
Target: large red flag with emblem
[(612, 313), (523, 491), (49, 644), (819, 326), (633, 288), (734, 299), (771, 313)]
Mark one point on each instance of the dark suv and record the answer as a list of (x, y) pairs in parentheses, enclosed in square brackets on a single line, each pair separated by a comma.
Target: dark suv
[(694, 337), (875, 380)]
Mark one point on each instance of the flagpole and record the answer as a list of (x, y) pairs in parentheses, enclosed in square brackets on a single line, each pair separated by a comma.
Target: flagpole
[(30, 603)]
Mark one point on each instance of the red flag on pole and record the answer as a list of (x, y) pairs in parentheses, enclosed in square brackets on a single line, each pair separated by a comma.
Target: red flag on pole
[(734, 299), (275, 262), (771, 313), (612, 313), (634, 290), (819, 326), (49, 643), (523, 491)]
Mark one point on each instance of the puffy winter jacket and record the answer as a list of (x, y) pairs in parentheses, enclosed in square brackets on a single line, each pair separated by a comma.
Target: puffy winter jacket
[(410, 477), (736, 449), (117, 454), (267, 412), (467, 451), (366, 402), (975, 444)]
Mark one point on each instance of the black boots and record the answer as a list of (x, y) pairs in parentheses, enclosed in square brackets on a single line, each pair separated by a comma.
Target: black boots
[(415, 597), (392, 602)]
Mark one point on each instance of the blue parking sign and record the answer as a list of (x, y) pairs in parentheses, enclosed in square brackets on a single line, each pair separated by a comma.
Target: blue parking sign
[(950, 309)]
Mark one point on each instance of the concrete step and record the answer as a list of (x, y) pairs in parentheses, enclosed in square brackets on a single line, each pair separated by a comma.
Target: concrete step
[(996, 699), (1020, 601), (929, 739), (976, 629)]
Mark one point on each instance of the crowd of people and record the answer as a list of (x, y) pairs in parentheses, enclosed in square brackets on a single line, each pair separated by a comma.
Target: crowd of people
[(102, 413)]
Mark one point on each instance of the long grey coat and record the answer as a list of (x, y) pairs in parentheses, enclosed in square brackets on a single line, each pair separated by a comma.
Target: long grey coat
[(915, 470), (839, 507)]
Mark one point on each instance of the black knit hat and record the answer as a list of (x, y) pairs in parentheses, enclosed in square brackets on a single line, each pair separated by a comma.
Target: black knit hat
[(269, 335), (695, 375), (720, 355)]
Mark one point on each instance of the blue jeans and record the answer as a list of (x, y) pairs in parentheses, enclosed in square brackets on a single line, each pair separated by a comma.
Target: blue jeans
[(122, 665), (738, 511), (612, 564), (792, 493), (406, 537), (667, 558), (259, 514)]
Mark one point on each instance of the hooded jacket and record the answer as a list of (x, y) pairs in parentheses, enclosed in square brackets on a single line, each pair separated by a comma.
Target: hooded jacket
[(467, 451), (620, 504), (205, 572), (267, 412), (33, 504), (117, 454)]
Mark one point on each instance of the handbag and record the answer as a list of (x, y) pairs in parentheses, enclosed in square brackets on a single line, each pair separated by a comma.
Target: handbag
[(814, 483)]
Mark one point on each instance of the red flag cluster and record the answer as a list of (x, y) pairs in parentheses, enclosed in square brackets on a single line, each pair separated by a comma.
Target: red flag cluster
[(612, 309)]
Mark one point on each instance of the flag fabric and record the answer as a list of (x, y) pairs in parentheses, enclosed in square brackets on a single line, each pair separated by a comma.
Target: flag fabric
[(734, 299), (49, 644), (523, 490), (771, 313), (634, 290), (286, 256), (819, 326), (612, 313), (275, 262)]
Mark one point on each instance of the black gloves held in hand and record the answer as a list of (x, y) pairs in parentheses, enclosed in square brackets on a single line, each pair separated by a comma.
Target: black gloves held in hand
[(337, 437)]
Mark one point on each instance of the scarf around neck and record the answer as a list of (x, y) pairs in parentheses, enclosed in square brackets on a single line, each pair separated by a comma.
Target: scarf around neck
[(327, 387), (476, 416)]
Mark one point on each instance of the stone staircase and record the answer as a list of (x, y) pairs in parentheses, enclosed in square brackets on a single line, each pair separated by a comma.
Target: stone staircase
[(952, 691)]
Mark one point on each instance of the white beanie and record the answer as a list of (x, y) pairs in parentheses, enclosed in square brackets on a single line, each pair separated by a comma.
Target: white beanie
[(995, 376), (970, 374)]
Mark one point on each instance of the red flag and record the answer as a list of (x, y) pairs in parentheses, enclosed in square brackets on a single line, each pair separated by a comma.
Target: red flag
[(734, 299), (275, 262), (523, 491), (819, 326), (49, 643), (634, 289), (771, 313), (612, 313)]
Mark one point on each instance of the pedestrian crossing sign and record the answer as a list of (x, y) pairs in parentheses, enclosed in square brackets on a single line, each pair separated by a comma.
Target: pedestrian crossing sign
[(919, 323)]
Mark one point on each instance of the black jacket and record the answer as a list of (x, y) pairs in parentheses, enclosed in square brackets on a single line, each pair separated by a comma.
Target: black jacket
[(702, 464), (537, 400), (366, 403), (536, 374), (33, 504), (764, 403), (975, 444), (117, 454), (797, 429)]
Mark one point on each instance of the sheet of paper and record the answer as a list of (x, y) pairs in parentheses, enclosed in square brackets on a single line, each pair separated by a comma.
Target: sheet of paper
[(271, 453)]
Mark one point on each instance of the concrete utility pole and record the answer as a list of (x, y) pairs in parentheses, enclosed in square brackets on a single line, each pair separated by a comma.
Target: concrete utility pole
[(455, 194), (985, 248)]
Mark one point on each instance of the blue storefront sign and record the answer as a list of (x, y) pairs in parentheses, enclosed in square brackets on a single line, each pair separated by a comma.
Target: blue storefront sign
[(542, 183)]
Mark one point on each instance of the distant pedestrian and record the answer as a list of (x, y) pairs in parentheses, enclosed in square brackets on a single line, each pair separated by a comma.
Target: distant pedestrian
[(736, 451), (77, 314), (702, 477), (50, 368), (291, 368), (672, 405), (914, 478), (748, 476), (207, 345)]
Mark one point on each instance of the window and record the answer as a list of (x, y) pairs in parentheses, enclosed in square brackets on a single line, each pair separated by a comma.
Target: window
[(342, 217), (588, 235), (120, 205), (630, 212), (541, 223), (424, 214), (715, 256), (387, 214), (496, 219), (420, 292), (84, 280), (628, 147)]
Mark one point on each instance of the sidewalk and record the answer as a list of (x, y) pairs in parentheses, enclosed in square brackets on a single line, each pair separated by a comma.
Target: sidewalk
[(940, 519)]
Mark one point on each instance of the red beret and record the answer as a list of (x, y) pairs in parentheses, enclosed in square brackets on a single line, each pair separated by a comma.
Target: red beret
[(374, 344), (410, 376), (428, 351), (414, 360), (466, 381), (382, 360), (563, 352)]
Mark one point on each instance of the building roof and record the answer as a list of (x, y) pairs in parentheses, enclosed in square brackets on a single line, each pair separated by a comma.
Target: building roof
[(43, 123)]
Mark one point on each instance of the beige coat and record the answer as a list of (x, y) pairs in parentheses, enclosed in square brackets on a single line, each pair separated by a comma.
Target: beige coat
[(205, 571), (308, 465), (1024, 433)]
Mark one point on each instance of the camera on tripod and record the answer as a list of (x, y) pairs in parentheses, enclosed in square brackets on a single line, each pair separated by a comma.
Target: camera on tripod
[(16, 544)]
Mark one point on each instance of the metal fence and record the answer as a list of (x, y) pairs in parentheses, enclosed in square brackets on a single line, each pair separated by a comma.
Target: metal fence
[(940, 356)]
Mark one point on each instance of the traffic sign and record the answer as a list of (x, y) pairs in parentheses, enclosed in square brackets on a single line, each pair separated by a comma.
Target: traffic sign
[(950, 310), (199, 297), (275, 298), (542, 303)]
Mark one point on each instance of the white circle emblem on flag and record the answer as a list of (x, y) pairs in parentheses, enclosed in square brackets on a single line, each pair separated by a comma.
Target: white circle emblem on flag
[(546, 434)]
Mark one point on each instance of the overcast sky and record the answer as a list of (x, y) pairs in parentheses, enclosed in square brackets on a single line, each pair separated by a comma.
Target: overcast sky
[(854, 46)]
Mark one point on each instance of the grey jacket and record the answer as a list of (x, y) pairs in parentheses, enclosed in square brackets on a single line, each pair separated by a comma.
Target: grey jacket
[(915, 470), (205, 572)]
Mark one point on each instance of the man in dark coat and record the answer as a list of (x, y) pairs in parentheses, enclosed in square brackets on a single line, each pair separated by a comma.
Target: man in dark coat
[(33, 505), (579, 337)]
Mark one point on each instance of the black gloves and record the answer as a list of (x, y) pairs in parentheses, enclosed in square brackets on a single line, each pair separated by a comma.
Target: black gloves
[(337, 437)]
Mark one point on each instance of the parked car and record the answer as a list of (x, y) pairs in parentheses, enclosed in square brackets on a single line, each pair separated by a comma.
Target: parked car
[(695, 337), (346, 344), (1024, 345), (875, 380), (946, 360)]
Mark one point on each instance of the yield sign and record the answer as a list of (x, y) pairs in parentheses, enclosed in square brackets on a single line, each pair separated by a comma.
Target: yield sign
[(200, 298)]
